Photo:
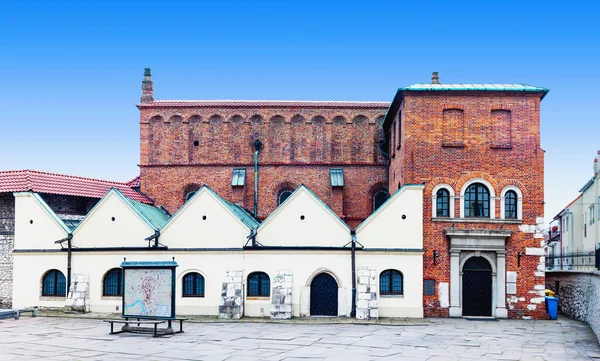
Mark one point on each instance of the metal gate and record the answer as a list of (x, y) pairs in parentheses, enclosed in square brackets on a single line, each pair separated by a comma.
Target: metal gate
[(477, 287), (323, 296)]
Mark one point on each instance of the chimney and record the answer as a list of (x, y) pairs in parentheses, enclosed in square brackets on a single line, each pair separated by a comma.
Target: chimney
[(147, 87), (435, 78), (596, 166)]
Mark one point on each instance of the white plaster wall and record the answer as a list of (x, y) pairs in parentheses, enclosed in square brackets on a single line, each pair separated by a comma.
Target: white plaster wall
[(319, 228), (42, 233), (221, 229), (304, 265), (29, 269), (589, 241), (99, 230), (411, 265), (387, 229)]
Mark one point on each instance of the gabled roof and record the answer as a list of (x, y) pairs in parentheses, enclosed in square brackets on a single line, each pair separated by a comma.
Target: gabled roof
[(49, 210), (264, 103), (395, 105), (54, 183), (154, 217), (245, 217), (568, 205), (587, 185), (387, 203), (289, 199)]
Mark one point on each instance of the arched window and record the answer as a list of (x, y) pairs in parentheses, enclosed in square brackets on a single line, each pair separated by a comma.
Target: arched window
[(112, 285), (283, 195), (477, 201), (442, 208), (510, 205), (379, 198), (189, 191), (259, 285), (391, 283), (54, 284), (193, 285)]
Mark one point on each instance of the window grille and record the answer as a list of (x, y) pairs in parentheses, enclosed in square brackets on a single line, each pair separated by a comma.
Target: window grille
[(510, 205), (113, 283), (239, 177), (193, 285), (54, 284), (336, 176), (259, 285), (391, 283), (442, 203), (477, 201)]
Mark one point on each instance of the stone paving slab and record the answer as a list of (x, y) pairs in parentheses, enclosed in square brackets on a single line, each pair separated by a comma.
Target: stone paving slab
[(53, 338)]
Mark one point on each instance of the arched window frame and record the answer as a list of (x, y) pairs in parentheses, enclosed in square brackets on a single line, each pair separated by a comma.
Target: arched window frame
[(189, 191), (262, 289), (281, 193), (434, 200), (59, 284), (492, 197), (374, 199), (519, 202), (386, 278), (194, 292), (113, 272)]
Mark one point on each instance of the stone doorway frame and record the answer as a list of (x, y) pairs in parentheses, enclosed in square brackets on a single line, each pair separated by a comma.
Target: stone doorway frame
[(490, 244)]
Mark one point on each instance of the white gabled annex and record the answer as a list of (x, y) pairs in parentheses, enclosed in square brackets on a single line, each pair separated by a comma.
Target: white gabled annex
[(398, 223), (117, 221), (303, 220), (208, 221), (392, 239), (36, 224)]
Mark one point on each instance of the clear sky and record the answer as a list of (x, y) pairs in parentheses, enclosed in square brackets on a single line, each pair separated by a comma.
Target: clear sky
[(70, 72)]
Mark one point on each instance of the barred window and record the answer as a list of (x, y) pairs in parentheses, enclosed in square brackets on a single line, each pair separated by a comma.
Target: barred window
[(193, 285), (477, 201), (112, 284), (442, 203), (259, 285), (510, 205), (54, 284), (391, 283)]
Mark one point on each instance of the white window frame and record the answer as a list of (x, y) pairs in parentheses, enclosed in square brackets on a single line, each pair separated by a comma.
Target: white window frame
[(519, 202), (492, 198), (434, 200)]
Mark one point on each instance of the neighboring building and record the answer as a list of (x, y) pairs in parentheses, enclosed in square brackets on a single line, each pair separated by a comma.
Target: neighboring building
[(69, 197), (579, 235), (460, 235)]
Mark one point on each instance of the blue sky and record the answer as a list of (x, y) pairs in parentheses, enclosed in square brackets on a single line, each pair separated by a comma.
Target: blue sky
[(70, 72)]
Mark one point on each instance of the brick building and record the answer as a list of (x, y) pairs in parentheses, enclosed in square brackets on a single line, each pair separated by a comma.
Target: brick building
[(476, 147)]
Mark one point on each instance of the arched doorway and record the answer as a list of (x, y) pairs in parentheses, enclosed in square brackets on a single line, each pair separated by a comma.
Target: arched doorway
[(323, 296), (477, 287)]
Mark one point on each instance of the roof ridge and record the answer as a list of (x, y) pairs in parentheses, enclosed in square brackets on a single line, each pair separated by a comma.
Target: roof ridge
[(270, 100), (30, 171)]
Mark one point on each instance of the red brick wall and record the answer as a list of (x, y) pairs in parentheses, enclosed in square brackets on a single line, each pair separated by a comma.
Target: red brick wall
[(518, 160), (180, 146)]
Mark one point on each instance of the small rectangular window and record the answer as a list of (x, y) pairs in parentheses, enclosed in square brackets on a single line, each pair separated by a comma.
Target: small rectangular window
[(429, 287), (239, 177), (336, 176)]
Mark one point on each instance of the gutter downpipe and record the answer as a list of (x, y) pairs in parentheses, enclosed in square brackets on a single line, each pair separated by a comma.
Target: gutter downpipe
[(154, 237), (68, 239), (257, 145), (572, 230), (353, 310)]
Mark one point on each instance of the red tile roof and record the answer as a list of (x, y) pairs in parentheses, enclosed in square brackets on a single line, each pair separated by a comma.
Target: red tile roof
[(264, 103), (53, 183)]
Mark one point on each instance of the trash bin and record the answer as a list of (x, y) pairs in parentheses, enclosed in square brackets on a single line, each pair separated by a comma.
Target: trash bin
[(552, 307)]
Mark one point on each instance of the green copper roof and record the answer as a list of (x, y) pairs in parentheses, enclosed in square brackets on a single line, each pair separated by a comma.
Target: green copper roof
[(152, 264), (154, 216), (475, 87)]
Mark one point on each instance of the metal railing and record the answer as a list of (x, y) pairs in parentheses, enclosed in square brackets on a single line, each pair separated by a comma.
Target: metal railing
[(589, 260)]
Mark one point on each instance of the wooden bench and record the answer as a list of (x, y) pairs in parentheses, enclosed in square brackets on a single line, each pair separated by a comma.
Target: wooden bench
[(156, 332)]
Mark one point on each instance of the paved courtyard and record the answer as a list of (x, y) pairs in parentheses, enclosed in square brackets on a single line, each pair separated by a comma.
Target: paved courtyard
[(52, 338)]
